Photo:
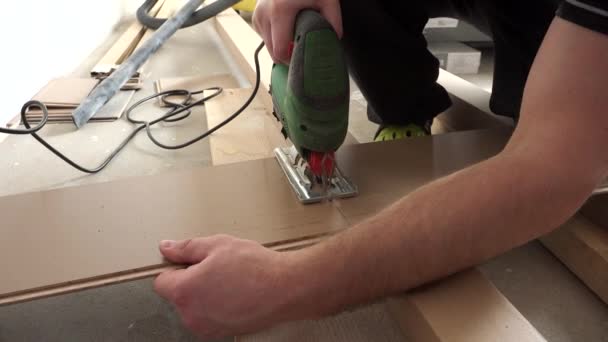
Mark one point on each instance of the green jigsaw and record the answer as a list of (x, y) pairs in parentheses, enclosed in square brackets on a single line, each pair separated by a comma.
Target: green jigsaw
[(311, 99)]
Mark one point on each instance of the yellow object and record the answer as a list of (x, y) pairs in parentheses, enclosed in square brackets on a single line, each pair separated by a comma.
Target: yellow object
[(245, 5)]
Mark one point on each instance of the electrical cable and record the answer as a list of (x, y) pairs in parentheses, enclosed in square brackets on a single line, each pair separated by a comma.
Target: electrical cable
[(173, 115)]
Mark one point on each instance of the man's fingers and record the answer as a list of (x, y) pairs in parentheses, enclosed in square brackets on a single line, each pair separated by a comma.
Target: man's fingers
[(267, 37), (333, 14), (166, 283), (282, 33), (189, 251)]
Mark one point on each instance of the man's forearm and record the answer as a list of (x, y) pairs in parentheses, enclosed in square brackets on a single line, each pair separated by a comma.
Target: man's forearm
[(444, 227)]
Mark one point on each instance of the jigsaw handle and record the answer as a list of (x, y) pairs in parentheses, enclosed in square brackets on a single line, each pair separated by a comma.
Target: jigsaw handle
[(311, 95)]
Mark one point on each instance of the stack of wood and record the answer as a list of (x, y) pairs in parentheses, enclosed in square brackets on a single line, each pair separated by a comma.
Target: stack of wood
[(62, 96)]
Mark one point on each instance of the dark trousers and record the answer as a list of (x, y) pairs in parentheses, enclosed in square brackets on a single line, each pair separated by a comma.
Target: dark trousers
[(388, 57)]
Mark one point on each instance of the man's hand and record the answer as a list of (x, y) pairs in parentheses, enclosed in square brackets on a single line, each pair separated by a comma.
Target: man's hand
[(274, 20), (233, 286)]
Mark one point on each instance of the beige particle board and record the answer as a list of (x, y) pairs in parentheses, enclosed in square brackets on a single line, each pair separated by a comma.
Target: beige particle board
[(251, 135)]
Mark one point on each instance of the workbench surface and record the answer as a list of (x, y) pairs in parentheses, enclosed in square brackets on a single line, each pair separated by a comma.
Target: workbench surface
[(545, 292)]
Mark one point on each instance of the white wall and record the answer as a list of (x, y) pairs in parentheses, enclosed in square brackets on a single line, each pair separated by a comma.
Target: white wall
[(43, 39)]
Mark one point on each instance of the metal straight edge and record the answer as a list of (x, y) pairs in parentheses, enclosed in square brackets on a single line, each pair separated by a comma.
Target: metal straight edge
[(111, 85)]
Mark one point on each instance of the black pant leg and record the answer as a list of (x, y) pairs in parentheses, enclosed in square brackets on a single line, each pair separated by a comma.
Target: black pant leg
[(517, 28), (388, 59)]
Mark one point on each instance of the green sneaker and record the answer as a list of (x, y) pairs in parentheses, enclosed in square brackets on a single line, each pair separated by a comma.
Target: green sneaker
[(394, 132)]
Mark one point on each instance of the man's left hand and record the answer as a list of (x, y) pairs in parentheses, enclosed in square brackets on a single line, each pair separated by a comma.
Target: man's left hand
[(232, 287)]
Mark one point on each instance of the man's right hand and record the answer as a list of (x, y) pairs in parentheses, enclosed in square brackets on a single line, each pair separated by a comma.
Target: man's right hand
[(274, 20)]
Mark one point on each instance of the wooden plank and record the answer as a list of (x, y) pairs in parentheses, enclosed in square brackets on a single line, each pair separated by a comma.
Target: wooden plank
[(465, 307), (583, 247), (124, 46), (252, 135)]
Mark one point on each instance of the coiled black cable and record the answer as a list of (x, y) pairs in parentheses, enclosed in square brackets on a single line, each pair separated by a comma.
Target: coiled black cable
[(173, 115)]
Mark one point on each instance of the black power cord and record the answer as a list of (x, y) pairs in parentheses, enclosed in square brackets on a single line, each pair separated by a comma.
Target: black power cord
[(173, 115)]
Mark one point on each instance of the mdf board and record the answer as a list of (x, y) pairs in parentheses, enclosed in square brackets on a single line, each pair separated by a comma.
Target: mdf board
[(100, 231)]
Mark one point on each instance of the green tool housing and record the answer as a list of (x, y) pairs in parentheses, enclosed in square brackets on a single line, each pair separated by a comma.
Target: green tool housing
[(311, 95)]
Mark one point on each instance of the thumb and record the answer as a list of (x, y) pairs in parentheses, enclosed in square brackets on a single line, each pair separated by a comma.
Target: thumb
[(332, 13), (190, 251)]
